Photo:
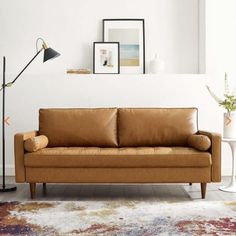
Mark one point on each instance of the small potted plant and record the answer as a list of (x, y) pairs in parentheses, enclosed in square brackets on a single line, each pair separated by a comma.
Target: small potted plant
[(229, 104)]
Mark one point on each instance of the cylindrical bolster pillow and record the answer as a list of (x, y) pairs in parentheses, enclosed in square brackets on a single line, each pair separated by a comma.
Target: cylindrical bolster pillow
[(200, 142), (36, 143)]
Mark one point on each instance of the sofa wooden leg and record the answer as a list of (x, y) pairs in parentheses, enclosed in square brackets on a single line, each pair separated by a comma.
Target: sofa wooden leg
[(203, 190), (44, 188), (190, 184), (32, 190)]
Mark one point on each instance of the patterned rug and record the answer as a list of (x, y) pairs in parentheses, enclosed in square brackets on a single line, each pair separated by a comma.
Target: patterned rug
[(132, 218)]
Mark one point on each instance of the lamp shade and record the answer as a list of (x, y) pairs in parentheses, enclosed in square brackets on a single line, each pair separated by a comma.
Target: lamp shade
[(49, 53)]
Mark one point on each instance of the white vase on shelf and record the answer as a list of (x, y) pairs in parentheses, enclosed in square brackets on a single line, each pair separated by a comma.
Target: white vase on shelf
[(230, 125), (156, 65)]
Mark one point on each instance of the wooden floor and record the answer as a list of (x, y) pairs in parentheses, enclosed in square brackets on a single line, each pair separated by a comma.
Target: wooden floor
[(69, 192)]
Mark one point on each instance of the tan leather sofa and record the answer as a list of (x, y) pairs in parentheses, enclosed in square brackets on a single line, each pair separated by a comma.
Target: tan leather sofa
[(126, 145)]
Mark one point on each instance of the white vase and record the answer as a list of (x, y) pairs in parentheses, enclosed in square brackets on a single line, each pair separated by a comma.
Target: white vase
[(156, 65), (230, 125)]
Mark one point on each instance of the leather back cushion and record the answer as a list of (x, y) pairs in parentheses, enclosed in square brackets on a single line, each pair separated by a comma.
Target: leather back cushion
[(156, 126), (79, 127)]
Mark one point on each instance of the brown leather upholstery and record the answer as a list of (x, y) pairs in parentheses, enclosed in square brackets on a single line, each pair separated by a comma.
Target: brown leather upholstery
[(200, 142), (36, 143), (215, 151), (156, 127), (118, 157), (79, 127), (118, 175), (19, 154), (84, 148)]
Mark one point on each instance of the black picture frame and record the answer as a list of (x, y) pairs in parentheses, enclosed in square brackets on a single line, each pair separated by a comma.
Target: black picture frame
[(143, 69), (103, 71)]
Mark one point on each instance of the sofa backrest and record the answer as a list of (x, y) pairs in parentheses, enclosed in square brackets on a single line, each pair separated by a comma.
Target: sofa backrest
[(156, 126), (79, 127), (111, 127)]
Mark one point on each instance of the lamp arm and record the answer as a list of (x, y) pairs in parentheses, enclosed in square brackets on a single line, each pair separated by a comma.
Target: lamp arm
[(26, 66), (9, 84)]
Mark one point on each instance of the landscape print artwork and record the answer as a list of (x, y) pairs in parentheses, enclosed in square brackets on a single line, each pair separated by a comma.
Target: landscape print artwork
[(129, 45), (130, 33)]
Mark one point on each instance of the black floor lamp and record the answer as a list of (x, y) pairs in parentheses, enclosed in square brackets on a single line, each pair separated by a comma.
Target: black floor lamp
[(49, 53)]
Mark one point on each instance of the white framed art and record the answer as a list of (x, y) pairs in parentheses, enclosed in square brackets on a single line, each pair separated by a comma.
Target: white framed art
[(130, 33), (106, 58)]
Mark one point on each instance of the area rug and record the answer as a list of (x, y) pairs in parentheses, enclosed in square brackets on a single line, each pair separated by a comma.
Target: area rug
[(132, 218)]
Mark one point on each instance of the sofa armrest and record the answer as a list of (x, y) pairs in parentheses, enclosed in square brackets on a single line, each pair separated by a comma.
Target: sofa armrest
[(19, 154), (215, 154)]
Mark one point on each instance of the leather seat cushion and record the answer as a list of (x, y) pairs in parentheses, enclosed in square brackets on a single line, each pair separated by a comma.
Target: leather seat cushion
[(118, 157), (79, 127), (140, 127)]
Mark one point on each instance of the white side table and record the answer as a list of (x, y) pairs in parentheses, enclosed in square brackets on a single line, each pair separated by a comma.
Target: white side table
[(231, 187)]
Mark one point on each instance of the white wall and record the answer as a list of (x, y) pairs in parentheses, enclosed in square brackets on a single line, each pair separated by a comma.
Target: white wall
[(70, 27), (220, 40), (220, 43)]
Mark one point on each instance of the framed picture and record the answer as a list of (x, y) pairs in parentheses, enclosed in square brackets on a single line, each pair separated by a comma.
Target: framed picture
[(106, 58), (130, 33)]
